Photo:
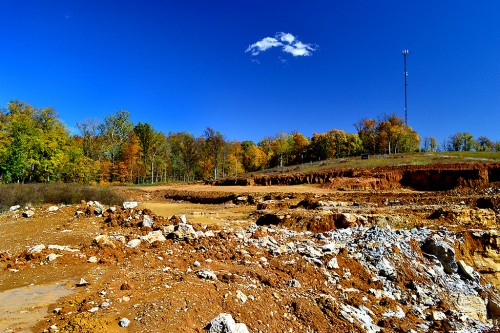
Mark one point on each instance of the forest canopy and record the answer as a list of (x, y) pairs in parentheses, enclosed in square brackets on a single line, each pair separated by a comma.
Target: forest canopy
[(35, 146)]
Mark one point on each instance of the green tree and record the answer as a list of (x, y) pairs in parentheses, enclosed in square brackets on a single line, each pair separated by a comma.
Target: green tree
[(429, 144), (281, 145), (115, 132), (214, 144), (484, 144), (34, 144)]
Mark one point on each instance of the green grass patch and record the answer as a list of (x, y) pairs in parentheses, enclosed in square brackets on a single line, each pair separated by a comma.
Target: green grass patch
[(58, 193), (390, 161)]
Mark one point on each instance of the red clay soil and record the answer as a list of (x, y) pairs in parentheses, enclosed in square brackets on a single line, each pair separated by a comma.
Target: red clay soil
[(434, 177)]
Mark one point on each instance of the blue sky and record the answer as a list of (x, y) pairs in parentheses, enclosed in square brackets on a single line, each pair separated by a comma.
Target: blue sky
[(186, 65)]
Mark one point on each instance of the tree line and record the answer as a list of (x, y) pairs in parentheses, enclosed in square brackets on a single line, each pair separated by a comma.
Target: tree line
[(35, 146)]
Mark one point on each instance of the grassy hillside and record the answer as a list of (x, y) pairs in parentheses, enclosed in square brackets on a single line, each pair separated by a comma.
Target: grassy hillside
[(392, 160)]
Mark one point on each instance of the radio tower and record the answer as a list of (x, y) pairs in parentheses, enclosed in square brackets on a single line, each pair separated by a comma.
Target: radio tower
[(405, 53)]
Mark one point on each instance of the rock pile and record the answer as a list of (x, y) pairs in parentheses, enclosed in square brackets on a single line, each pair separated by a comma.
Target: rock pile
[(347, 275)]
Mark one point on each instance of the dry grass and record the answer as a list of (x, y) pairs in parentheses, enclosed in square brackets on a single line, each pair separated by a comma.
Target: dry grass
[(58, 193)]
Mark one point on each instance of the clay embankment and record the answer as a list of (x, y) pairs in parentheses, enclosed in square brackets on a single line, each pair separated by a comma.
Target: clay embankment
[(436, 177)]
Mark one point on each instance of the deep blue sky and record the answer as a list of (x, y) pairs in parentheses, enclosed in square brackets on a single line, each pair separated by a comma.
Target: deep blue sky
[(181, 65)]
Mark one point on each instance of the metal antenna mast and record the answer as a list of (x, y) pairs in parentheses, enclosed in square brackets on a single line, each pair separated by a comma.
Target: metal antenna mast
[(405, 53)]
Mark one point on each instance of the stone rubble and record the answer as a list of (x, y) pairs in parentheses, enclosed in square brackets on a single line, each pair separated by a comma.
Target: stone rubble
[(382, 251), (439, 289)]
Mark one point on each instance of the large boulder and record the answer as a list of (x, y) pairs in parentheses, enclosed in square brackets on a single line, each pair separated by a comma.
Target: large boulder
[(444, 252), (472, 306), (180, 232), (224, 323)]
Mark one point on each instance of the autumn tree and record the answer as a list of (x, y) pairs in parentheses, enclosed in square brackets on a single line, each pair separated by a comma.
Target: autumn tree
[(89, 130), (254, 158), (320, 147), (299, 147), (367, 132)]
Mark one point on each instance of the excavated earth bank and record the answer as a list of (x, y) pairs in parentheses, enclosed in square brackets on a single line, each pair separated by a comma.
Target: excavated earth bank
[(435, 177)]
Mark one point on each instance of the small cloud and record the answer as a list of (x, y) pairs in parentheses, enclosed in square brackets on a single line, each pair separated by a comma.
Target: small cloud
[(256, 61), (67, 17), (283, 61), (288, 43), (262, 45), (299, 49)]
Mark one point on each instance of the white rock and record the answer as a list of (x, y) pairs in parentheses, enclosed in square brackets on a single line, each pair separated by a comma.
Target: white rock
[(104, 240), (196, 264), (61, 248), (331, 247), (14, 208), (399, 313), (133, 243), (154, 236), (124, 322), (53, 209), (466, 271), (94, 309), (438, 316), (130, 204), (241, 296), (28, 213), (147, 221), (52, 257), (183, 218), (37, 248), (92, 259), (224, 323), (82, 283), (180, 231), (206, 274), (332, 264)]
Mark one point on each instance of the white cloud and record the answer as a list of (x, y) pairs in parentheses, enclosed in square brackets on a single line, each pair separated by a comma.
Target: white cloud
[(288, 42), (299, 49), (288, 38), (262, 45)]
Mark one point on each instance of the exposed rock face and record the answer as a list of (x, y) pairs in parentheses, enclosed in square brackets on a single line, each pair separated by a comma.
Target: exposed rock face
[(464, 215), (481, 249), (472, 306)]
